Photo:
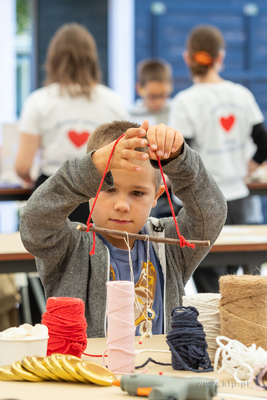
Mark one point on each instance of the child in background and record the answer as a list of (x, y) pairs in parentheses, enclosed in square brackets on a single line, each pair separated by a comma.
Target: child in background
[(58, 118), (154, 86), (218, 118), (131, 187)]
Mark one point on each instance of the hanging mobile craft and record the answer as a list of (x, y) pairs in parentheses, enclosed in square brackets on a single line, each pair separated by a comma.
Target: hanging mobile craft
[(126, 236)]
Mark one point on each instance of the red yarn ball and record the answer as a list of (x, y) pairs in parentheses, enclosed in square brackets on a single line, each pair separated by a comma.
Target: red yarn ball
[(66, 323)]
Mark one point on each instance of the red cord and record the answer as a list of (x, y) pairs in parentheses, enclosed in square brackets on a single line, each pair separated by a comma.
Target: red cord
[(89, 224), (95, 355), (183, 242)]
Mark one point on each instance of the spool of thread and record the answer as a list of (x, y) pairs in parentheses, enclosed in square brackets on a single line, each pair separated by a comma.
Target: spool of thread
[(207, 305), (66, 323), (243, 309), (121, 327)]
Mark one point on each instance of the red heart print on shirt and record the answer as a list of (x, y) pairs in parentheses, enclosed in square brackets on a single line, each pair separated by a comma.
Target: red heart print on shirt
[(78, 139), (227, 122)]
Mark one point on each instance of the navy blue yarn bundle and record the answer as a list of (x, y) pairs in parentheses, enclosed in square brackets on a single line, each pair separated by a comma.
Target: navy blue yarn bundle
[(187, 342)]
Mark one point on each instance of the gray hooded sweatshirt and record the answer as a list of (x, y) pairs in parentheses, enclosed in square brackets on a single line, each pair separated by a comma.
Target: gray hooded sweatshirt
[(62, 251)]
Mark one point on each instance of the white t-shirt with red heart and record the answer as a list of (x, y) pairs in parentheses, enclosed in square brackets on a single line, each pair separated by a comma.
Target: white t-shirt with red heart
[(64, 123), (219, 118)]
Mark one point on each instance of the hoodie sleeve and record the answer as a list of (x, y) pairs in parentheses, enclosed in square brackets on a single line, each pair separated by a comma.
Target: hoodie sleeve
[(45, 229), (203, 214)]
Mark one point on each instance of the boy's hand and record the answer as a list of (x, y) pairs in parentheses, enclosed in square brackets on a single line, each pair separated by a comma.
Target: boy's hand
[(165, 142), (124, 152)]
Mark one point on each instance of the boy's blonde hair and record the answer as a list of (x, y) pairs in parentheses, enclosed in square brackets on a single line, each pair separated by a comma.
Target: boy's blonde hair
[(107, 133), (72, 59), (207, 39), (153, 70)]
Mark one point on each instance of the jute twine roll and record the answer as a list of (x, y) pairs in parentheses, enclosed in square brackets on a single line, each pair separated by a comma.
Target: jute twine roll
[(243, 309), (207, 305)]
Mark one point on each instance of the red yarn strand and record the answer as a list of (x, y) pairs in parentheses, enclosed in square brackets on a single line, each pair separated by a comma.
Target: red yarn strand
[(89, 224), (183, 241), (94, 355)]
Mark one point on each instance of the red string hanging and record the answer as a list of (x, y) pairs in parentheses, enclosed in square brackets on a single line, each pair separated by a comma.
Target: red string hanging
[(89, 224), (183, 242), (66, 325), (95, 355)]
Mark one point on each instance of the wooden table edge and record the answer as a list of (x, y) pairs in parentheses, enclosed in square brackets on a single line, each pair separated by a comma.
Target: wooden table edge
[(16, 256), (217, 248)]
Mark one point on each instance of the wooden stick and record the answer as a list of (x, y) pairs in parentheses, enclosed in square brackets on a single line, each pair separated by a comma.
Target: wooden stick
[(199, 243)]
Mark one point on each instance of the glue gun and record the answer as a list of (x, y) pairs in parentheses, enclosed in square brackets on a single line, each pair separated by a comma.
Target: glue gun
[(158, 387)]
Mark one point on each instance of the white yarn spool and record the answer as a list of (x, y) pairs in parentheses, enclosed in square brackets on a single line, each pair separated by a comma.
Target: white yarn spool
[(207, 305), (121, 327)]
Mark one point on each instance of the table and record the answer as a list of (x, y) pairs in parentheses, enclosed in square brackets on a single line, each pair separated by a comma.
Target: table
[(69, 391), (14, 193), (236, 244), (13, 255), (239, 245), (257, 181), (259, 188), (20, 193)]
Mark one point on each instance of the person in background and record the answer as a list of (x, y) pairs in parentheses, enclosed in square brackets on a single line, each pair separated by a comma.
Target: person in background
[(58, 118), (218, 118), (154, 86)]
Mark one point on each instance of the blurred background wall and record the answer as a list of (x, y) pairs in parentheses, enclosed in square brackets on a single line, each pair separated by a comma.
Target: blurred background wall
[(127, 31), (161, 28), (49, 15)]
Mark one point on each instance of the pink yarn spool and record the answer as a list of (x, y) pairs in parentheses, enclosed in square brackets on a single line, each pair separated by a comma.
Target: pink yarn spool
[(121, 327)]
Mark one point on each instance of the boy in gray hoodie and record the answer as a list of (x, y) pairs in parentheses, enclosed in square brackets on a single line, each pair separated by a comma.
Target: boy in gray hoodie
[(131, 188)]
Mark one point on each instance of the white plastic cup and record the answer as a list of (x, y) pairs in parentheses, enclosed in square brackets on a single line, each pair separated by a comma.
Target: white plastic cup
[(15, 349)]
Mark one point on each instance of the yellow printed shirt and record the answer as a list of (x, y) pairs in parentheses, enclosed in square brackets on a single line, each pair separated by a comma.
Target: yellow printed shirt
[(148, 281)]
